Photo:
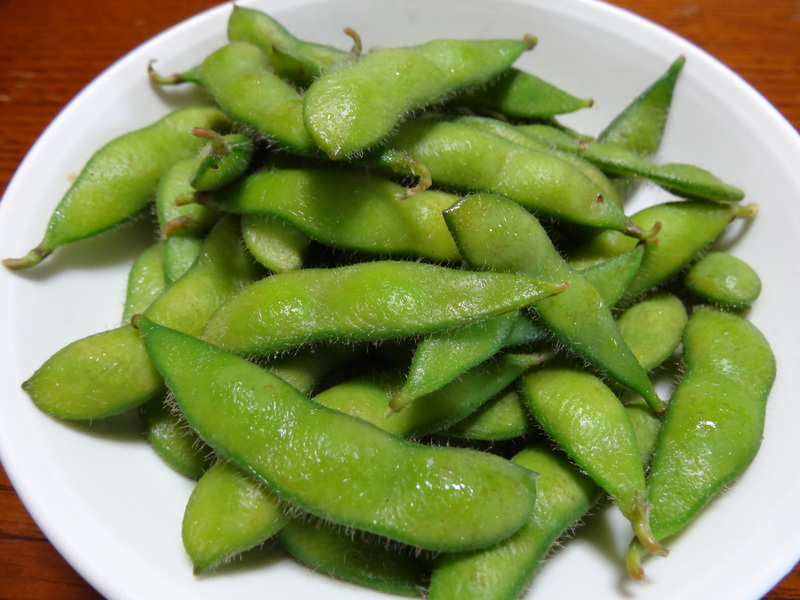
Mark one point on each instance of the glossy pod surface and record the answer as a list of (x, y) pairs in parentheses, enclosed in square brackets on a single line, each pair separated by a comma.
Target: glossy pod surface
[(354, 107), (333, 465), (367, 301)]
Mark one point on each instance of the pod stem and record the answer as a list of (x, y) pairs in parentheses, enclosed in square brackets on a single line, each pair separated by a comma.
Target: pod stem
[(641, 527), (216, 141), (530, 40), (633, 559), (187, 198), (358, 47), (34, 257), (155, 77), (177, 224), (635, 231), (745, 211)]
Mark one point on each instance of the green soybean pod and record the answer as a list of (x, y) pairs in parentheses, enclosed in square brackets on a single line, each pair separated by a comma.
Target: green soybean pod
[(684, 180), (639, 127), (653, 328), (297, 60), (504, 417), (354, 107), (182, 228), (688, 227), (521, 95), (577, 409), (515, 133), (119, 179), (171, 437), (227, 513), (335, 466), (366, 397), (714, 421), (564, 495), (497, 234), (275, 243), (467, 158), (504, 571), (363, 558), (366, 301), (225, 159), (352, 210), (110, 372), (145, 281), (441, 357), (240, 79), (723, 279)]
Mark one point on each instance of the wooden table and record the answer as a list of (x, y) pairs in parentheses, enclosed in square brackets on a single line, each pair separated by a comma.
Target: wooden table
[(50, 49)]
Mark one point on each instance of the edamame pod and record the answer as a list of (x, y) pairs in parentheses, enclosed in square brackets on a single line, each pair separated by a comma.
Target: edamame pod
[(118, 181), (225, 159), (495, 233), (504, 417), (110, 372), (240, 79), (354, 107), (227, 513), (366, 397), (684, 180), (714, 421), (357, 556), (335, 466), (171, 437), (368, 301), (182, 227), (274, 243), (586, 419), (687, 228), (346, 209), (441, 357), (653, 328), (145, 281), (297, 60), (521, 95), (639, 127), (465, 157), (723, 279)]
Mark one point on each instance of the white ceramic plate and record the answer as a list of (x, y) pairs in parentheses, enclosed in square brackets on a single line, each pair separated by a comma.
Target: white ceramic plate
[(114, 510)]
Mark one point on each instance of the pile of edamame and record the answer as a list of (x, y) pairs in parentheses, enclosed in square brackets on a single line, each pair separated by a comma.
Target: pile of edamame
[(396, 319)]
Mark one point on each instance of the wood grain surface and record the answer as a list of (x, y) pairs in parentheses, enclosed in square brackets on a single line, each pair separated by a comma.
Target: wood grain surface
[(50, 49)]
